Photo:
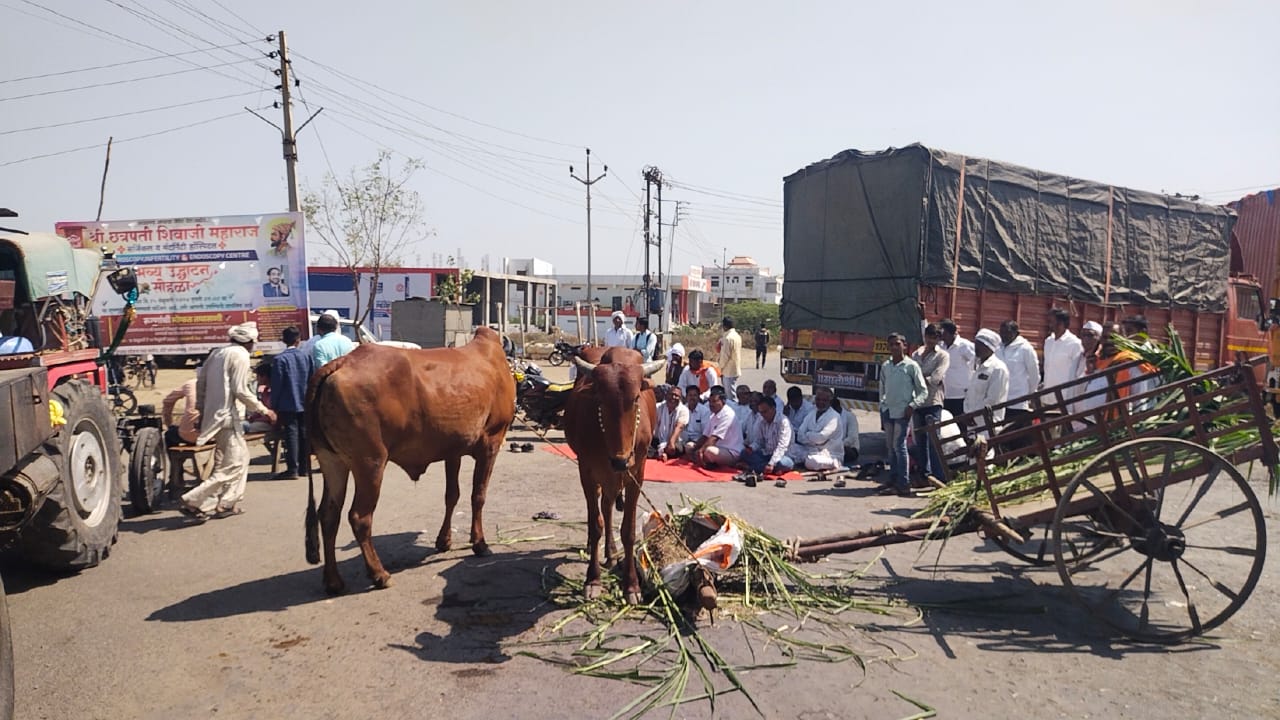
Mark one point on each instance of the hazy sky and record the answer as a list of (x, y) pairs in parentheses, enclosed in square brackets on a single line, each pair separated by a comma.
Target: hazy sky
[(727, 97)]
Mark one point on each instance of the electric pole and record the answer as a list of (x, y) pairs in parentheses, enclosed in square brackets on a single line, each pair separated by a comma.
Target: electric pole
[(588, 183), (724, 277), (288, 136), (671, 248), (652, 176)]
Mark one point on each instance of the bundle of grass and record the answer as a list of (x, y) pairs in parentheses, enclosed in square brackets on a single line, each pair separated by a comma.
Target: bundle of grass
[(786, 615)]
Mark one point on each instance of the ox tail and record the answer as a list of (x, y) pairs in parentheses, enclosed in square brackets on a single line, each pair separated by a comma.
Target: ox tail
[(314, 436)]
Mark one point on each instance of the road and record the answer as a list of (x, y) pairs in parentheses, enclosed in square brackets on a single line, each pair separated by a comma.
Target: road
[(226, 619)]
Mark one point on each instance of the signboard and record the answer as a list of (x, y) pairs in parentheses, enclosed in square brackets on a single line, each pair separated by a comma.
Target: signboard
[(846, 381), (199, 276)]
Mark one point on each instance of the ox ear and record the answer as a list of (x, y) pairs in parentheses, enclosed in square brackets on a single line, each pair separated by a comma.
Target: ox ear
[(583, 365), (654, 367)]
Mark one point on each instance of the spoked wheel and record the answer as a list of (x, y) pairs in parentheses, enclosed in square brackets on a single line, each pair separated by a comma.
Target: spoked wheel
[(1190, 539)]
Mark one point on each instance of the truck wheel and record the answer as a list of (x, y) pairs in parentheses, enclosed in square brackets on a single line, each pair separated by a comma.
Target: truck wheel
[(77, 524), (147, 471), (6, 660)]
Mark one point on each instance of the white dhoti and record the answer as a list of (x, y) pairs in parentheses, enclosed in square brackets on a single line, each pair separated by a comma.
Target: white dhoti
[(813, 458), (225, 485)]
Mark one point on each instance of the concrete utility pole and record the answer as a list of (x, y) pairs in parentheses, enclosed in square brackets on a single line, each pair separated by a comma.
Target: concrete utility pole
[(588, 183), (671, 248), (724, 277), (652, 176), (288, 136)]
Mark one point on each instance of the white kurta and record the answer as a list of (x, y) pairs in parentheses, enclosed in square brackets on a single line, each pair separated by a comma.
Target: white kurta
[(819, 441), (1063, 359), (1023, 366), (222, 387)]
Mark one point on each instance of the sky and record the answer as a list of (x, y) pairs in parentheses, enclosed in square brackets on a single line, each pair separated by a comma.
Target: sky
[(498, 99)]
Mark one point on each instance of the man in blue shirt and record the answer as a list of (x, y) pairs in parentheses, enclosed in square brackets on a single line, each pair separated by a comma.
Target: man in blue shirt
[(332, 344), (646, 343), (290, 373), (902, 390)]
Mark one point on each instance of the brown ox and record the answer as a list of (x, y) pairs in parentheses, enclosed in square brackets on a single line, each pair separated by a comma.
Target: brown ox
[(608, 420), (411, 407)]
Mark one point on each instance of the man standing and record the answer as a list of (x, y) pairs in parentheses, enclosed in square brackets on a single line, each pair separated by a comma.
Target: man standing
[(934, 363), (290, 373), (730, 355), (331, 344), (721, 442), (902, 390), (990, 385), (222, 388), (818, 443), (188, 428), (762, 345), (645, 342), (770, 441), (1063, 351), (618, 335), (673, 417), (1024, 372), (959, 369)]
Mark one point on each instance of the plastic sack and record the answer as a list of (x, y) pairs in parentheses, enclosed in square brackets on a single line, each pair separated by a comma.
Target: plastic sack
[(716, 554)]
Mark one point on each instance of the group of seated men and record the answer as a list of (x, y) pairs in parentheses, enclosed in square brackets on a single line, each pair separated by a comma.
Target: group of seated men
[(755, 430)]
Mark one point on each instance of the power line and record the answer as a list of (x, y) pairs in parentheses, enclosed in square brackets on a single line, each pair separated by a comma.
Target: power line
[(359, 82), (206, 121), (234, 15), (112, 65), (725, 196), (121, 82), (126, 114), (164, 25)]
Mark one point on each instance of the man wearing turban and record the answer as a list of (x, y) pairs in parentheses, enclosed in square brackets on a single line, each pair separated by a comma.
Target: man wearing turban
[(222, 392)]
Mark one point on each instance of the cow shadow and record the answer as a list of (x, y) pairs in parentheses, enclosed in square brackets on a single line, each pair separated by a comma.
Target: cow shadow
[(488, 601), (280, 592)]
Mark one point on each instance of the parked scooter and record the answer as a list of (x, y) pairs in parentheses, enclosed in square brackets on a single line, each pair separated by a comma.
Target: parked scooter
[(540, 400)]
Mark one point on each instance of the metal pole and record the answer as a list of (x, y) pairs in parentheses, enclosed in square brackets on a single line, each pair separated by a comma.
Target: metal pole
[(289, 142), (724, 277), (588, 183)]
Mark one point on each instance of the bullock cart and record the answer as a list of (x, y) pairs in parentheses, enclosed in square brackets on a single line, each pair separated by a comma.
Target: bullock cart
[(1138, 500)]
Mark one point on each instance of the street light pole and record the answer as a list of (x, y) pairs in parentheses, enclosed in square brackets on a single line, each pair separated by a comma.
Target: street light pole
[(588, 183)]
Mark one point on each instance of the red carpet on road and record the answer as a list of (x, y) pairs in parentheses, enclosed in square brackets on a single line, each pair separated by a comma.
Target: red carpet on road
[(672, 471)]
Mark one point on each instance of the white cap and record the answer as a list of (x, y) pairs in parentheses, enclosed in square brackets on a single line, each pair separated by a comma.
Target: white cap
[(333, 314), (989, 338), (243, 333), (1092, 327), (618, 314)]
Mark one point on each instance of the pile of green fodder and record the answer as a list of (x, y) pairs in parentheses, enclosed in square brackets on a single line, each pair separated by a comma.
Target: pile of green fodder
[(965, 492), (784, 614)]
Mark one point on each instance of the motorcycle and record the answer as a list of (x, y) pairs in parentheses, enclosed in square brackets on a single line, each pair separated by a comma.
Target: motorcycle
[(562, 352), (537, 398)]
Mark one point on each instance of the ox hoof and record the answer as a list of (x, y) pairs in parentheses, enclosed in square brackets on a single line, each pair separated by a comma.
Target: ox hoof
[(633, 597), (444, 543), (381, 582), (592, 590), (481, 549), (335, 587)]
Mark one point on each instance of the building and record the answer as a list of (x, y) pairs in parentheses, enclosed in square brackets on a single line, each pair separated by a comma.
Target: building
[(499, 296), (742, 279), (626, 293)]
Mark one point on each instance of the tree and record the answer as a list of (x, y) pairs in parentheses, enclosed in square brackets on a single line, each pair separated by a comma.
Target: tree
[(367, 220), (452, 288)]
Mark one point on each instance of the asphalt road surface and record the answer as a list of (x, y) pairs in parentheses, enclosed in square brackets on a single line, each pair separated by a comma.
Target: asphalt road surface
[(225, 619)]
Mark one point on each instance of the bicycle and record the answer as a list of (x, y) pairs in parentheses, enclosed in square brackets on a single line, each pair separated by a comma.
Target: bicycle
[(123, 401), (141, 371)]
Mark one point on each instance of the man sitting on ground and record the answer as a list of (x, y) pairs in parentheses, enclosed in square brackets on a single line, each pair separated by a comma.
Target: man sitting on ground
[(699, 416), (797, 408), (819, 441), (770, 441), (721, 442), (699, 373), (673, 416)]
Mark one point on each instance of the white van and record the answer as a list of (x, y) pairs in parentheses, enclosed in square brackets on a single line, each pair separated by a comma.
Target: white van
[(360, 334)]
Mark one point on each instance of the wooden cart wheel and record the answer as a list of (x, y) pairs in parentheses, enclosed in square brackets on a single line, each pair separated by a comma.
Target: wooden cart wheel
[(1191, 539)]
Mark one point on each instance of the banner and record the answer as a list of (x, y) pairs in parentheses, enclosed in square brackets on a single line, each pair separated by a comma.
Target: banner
[(199, 276)]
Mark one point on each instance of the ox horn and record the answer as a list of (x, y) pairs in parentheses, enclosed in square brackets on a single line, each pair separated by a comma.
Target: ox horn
[(654, 367), (583, 365)]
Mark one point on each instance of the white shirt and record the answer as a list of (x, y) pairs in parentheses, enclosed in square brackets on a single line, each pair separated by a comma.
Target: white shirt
[(687, 378), (990, 387), (668, 419), (746, 418), (1023, 367), (222, 389), (1063, 359), (852, 438), (619, 337), (823, 431), (797, 416), (725, 427), (698, 420), (960, 370)]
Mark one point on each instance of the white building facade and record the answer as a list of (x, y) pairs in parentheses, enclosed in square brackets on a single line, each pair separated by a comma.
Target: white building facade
[(742, 279)]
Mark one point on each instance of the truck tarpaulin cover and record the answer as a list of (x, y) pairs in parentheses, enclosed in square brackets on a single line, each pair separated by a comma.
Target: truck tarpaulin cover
[(863, 231)]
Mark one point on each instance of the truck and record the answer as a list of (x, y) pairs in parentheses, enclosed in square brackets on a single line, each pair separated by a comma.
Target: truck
[(1256, 251), (876, 242)]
